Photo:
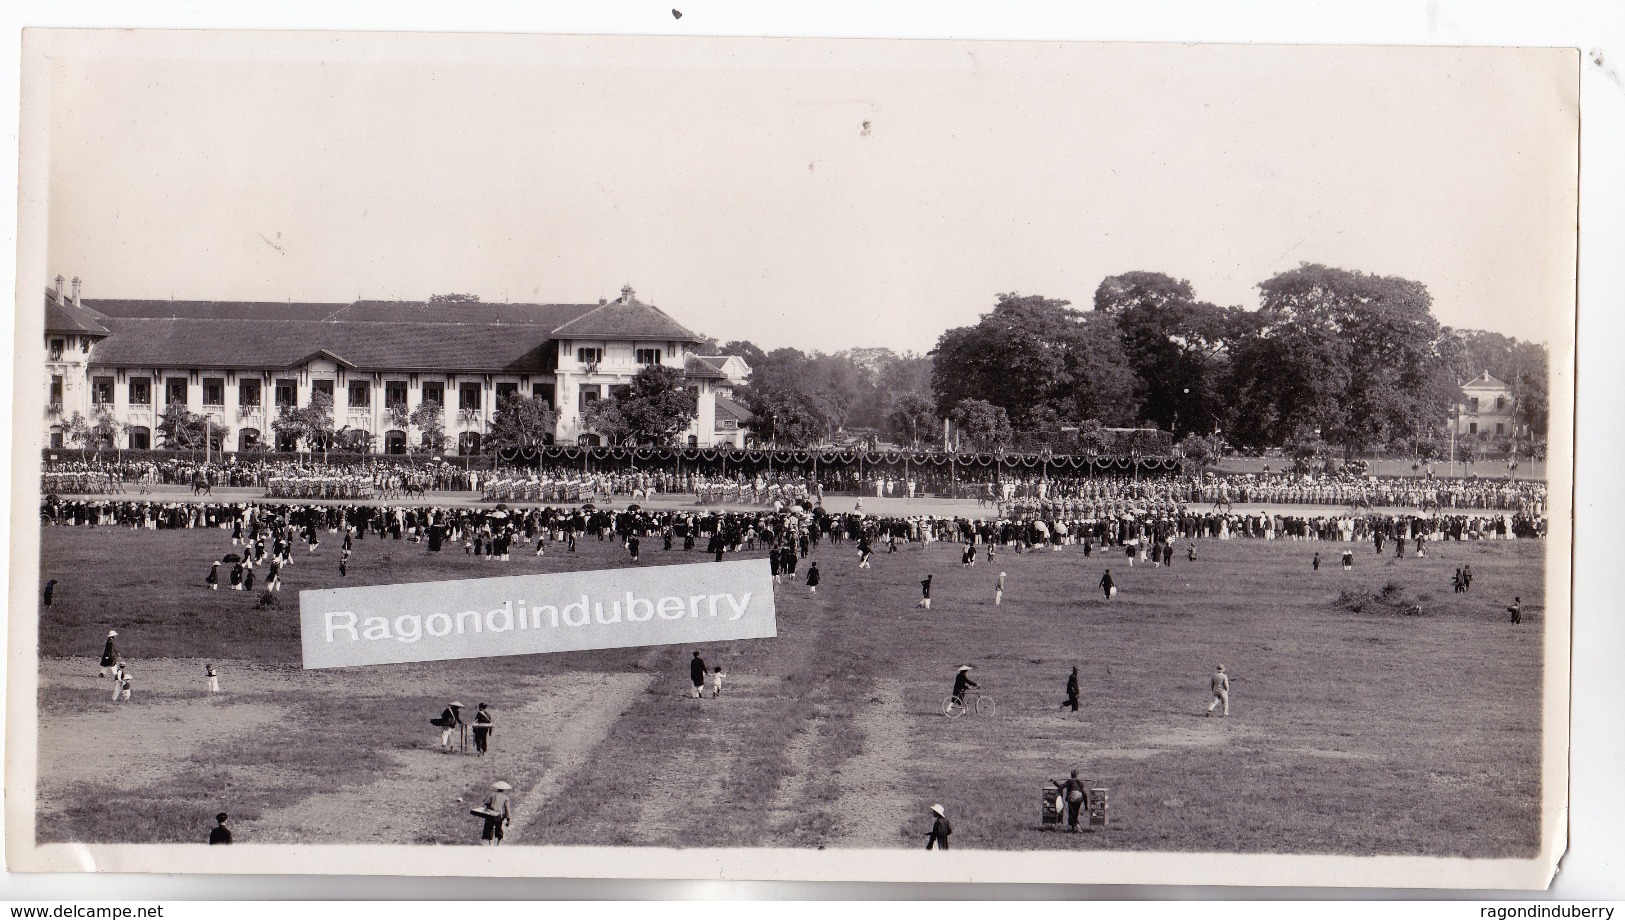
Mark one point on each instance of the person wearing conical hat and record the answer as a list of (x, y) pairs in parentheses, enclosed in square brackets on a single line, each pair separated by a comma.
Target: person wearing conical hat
[(213, 579), (450, 718), (962, 683), (109, 654), (498, 815), (940, 829)]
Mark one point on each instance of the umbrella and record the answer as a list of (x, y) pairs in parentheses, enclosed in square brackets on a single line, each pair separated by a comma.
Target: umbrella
[(634, 507), (231, 557), (497, 515), (589, 506)]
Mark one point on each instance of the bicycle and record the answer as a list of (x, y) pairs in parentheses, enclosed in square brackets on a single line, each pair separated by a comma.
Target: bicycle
[(982, 705)]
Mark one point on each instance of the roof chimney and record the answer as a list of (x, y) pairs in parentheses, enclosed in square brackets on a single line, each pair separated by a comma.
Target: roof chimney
[(602, 301), (59, 280), (76, 290), (626, 293)]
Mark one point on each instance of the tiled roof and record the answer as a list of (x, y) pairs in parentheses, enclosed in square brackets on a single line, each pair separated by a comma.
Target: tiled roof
[(1485, 381), (228, 343), (698, 366), (365, 311), (626, 318), (728, 407), (366, 334), (62, 316)]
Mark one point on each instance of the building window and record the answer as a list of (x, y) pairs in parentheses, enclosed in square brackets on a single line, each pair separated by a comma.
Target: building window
[(395, 398), (175, 391), (1500, 427), (248, 394), (56, 436), (1500, 403), (435, 393), (101, 390), (323, 386), (468, 443), (214, 391), (505, 390), (468, 397), (647, 355), (360, 394), (543, 392), (287, 394), (140, 438), (1472, 428), (56, 391), (589, 394), (140, 391), (248, 438), (1472, 405), (590, 355), (56, 349)]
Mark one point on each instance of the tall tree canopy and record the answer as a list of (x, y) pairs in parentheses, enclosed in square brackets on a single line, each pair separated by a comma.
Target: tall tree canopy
[(1358, 357), (1176, 346), (1040, 362)]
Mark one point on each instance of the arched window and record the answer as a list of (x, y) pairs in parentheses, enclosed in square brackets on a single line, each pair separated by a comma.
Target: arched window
[(588, 440), (395, 442), (468, 444), (140, 438), (248, 439)]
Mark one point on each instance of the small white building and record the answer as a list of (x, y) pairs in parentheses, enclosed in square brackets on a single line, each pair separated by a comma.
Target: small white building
[(1488, 407), (238, 363)]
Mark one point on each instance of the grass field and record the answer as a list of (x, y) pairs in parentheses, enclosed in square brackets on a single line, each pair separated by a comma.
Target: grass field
[(1350, 732)]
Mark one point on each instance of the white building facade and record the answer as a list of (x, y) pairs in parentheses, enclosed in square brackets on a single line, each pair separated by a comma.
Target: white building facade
[(239, 364)]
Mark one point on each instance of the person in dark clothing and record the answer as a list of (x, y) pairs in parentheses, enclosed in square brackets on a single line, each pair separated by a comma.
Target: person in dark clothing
[(812, 578), (1072, 691), (1107, 585), (940, 830), (484, 725), (773, 565), (696, 673), (221, 833), (632, 545), (962, 684), (1072, 791), (109, 654), (1466, 578), (925, 593), (1516, 610), (50, 591), (1316, 562)]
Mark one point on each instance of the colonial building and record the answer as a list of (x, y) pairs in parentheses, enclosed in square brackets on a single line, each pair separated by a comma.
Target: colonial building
[(1488, 407), (240, 363)]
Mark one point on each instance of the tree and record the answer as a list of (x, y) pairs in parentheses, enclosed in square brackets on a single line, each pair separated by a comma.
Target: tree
[(913, 417), (604, 416), (1176, 346), (983, 424), (179, 429), (1522, 365), (1040, 362), (1358, 356), (430, 418), (659, 406), (310, 425), (521, 422), (454, 298), (786, 417)]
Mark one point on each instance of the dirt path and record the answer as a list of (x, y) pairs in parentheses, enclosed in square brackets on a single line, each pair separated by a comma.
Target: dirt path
[(790, 800), (873, 807), (426, 800)]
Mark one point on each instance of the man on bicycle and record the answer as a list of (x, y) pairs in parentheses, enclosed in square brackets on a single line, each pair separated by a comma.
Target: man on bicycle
[(962, 683)]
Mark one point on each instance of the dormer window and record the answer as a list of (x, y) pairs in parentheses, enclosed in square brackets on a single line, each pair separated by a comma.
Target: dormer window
[(57, 345)]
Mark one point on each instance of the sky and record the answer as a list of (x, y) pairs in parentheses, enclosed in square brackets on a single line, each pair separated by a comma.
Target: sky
[(816, 194)]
